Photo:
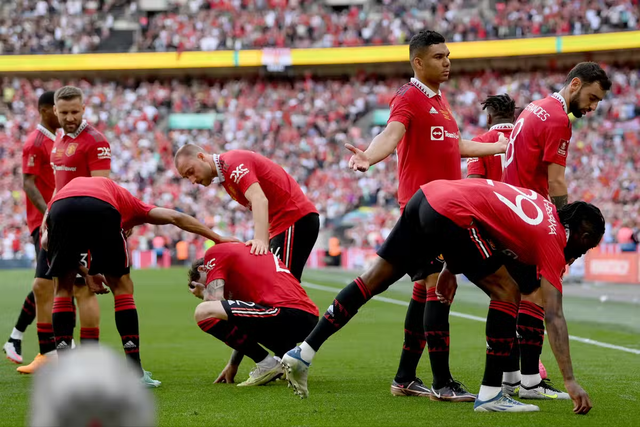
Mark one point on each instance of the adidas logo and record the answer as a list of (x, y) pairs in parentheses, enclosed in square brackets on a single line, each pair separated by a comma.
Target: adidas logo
[(433, 110), (62, 345), (129, 345)]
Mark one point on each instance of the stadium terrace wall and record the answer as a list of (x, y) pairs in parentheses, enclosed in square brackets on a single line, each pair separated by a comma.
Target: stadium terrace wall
[(230, 62)]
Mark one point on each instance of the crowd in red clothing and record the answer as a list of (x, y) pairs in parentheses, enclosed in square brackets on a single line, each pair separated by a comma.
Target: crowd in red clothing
[(302, 124)]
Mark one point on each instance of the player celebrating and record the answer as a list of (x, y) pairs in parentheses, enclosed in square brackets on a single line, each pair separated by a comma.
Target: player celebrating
[(38, 185), (536, 159), (89, 215), (269, 308), (424, 131), (467, 221), (500, 117), (284, 219)]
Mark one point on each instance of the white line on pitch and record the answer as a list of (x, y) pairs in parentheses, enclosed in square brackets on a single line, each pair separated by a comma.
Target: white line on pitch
[(476, 318)]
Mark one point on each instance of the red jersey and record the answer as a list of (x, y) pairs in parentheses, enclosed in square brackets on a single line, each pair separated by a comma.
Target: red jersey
[(525, 224), (540, 137), (79, 153), (429, 149), (35, 161), (133, 211), (239, 169), (262, 279), (489, 167)]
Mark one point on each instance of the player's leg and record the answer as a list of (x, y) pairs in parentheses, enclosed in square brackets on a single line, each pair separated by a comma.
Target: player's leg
[(62, 313), (89, 312), (229, 322), (501, 321), (294, 246), (13, 347)]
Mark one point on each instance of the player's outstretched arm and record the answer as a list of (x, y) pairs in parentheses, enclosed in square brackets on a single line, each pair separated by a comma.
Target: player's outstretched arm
[(380, 148), (470, 148), (260, 209), (188, 223), (559, 340), (229, 372)]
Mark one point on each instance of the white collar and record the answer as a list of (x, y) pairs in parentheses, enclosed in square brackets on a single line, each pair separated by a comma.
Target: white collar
[(502, 126), (43, 130), (220, 178), (561, 100), (78, 131), (424, 88)]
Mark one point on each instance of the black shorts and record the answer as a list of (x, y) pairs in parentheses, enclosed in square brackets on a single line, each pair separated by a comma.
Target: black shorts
[(42, 265), (422, 234), (86, 230), (277, 328), (295, 244), (526, 276)]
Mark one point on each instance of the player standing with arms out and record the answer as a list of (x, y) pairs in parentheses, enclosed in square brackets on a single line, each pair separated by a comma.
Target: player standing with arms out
[(426, 135), (536, 159), (38, 185), (500, 117), (268, 307), (90, 216), (284, 219)]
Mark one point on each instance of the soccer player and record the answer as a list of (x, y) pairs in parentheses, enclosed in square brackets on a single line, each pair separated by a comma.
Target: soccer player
[(284, 219), (423, 130), (38, 186), (500, 117), (536, 159), (90, 215), (268, 308), (472, 223)]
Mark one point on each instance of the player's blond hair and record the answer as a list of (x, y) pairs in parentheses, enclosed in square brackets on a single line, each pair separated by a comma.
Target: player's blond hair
[(188, 150), (68, 93)]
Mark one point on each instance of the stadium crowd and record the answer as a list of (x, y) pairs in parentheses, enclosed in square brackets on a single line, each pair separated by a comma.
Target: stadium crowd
[(302, 125), (74, 26)]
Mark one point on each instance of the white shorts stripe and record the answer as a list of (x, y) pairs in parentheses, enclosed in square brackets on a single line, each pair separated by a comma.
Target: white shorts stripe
[(287, 246), (479, 242), (270, 312)]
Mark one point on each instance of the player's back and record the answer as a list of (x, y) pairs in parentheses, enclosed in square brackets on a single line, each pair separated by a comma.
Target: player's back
[(490, 167), (78, 154), (262, 279), (429, 149), (540, 137)]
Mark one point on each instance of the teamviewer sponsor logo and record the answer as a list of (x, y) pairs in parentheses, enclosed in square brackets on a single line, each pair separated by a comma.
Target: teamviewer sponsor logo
[(437, 133)]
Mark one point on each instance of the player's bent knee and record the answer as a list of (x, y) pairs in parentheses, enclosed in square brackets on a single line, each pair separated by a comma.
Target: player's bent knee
[(534, 297), (208, 309), (431, 281)]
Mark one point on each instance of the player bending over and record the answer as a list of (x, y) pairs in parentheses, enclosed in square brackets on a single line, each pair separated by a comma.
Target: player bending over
[(90, 216), (472, 224), (250, 303)]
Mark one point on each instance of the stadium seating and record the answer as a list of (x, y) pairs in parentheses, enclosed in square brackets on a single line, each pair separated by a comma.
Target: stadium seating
[(302, 125)]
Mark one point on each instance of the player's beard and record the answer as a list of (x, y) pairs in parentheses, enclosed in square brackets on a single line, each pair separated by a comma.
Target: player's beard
[(574, 105), (70, 128)]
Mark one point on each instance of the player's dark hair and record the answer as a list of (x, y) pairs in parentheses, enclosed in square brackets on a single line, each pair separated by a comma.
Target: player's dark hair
[(423, 40), (500, 106), (194, 274), (582, 214), (47, 99), (589, 72)]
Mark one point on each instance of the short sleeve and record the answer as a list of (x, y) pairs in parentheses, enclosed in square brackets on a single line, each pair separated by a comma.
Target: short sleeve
[(32, 159), (99, 155), (401, 110), (242, 170), (556, 142), (216, 264), (552, 264), (135, 210)]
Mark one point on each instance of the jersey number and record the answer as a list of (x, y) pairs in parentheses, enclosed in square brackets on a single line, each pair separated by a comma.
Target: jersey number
[(512, 139), (278, 268), (516, 206)]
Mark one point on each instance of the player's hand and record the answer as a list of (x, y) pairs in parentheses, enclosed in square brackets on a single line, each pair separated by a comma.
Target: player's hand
[(44, 240), (359, 160), (227, 375), (96, 282), (127, 233), (197, 289), (228, 240), (258, 247), (581, 402), (446, 287), (502, 143)]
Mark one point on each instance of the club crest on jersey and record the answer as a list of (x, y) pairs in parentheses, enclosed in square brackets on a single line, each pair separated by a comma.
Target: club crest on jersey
[(239, 173), (437, 133), (71, 149), (32, 161), (562, 148), (58, 154)]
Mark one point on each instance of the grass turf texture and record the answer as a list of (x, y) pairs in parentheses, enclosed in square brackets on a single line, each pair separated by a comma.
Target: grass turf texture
[(350, 378)]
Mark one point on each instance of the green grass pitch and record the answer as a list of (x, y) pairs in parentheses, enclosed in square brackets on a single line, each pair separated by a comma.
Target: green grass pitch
[(350, 378)]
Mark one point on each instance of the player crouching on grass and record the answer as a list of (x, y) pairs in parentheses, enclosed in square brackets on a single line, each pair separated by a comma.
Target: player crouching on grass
[(473, 223), (90, 216), (251, 302)]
